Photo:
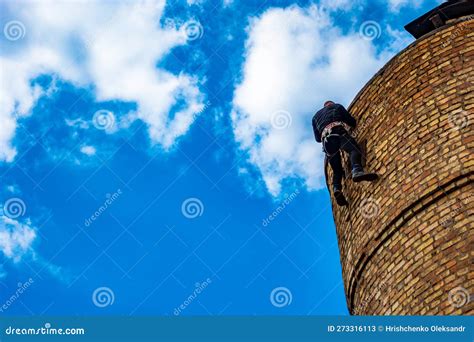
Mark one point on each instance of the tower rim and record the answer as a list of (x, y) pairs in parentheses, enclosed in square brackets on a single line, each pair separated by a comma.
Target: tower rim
[(409, 47)]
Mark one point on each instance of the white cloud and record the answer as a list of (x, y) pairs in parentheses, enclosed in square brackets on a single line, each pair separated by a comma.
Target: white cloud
[(398, 39), (337, 4), (295, 60), (194, 2), (13, 188), (15, 238), (79, 122), (396, 5), (112, 46), (88, 150), (16, 244)]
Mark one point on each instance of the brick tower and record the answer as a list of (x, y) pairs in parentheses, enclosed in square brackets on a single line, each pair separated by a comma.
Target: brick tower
[(407, 241)]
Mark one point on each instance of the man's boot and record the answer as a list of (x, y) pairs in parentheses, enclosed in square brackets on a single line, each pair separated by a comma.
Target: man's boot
[(359, 175), (339, 196)]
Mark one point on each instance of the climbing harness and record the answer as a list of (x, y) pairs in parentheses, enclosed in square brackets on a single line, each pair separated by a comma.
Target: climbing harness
[(327, 134), (329, 127)]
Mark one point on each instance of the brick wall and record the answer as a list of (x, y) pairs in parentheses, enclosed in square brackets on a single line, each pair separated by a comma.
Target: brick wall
[(406, 241)]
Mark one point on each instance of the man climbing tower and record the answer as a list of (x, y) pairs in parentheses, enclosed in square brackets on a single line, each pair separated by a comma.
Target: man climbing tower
[(331, 126)]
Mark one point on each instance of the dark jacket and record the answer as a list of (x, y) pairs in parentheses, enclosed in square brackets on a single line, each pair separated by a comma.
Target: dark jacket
[(328, 114)]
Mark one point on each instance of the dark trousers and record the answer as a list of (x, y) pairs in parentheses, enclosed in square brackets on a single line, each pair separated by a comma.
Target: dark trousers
[(333, 146)]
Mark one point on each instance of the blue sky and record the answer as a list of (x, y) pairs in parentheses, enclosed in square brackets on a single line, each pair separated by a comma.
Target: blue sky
[(180, 128)]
